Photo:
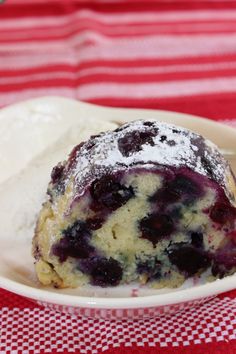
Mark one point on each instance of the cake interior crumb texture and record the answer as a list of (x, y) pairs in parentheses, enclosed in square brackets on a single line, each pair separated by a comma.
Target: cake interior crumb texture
[(149, 202)]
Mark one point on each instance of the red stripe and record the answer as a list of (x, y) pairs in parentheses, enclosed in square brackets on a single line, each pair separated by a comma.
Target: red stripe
[(11, 300), (215, 106), (61, 7), (230, 294), (223, 347), (151, 77), (106, 77), (57, 67), (119, 78), (116, 30), (142, 62), (84, 34), (50, 38), (9, 10)]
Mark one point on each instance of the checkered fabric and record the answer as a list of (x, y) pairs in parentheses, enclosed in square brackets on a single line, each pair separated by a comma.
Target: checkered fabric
[(177, 55), (26, 328)]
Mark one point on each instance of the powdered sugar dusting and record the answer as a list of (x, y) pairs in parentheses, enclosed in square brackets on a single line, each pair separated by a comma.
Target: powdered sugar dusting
[(151, 143)]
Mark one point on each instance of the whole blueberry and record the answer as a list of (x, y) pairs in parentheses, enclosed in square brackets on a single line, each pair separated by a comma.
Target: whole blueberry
[(74, 242), (155, 227), (109, 192), (103, 271), (188, 259)]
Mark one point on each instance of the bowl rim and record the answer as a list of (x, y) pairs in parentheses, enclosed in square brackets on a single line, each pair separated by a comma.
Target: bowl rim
[(198, 292), (173, 297)]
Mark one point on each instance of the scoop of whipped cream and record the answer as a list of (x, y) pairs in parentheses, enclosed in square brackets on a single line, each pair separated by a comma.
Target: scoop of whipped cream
[(30, 127), (23, 193)]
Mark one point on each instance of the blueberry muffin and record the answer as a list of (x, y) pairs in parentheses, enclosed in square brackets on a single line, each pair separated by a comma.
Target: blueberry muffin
[(148, 202)]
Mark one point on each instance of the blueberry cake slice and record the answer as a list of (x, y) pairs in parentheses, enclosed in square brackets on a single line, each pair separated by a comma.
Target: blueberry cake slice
[(148, 202)]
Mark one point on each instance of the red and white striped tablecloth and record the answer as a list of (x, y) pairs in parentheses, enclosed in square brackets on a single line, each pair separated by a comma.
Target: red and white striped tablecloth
[(174, 55)]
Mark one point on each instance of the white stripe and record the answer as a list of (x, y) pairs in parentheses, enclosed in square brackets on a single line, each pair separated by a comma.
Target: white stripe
[(157, 90), (111, 18), (136, 91), (33, 60), (116, 71), (120, 30), (153, 46), (161, 47), (16, 96)]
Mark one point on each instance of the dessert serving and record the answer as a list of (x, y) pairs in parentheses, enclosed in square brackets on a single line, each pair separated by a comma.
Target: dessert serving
[(148, 202)]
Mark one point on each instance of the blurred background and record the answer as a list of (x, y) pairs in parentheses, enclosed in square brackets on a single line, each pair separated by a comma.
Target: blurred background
[(173, 55)]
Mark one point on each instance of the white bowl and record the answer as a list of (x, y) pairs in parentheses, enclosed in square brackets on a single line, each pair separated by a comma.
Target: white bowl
[(27, 129)]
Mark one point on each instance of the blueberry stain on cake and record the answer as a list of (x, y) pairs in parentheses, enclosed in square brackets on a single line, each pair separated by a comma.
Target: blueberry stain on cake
[(148, 202)]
